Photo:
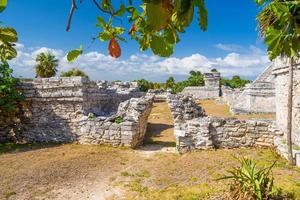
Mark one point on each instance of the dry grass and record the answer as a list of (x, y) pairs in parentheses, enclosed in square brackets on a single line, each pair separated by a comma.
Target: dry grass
[(215, 109), (37, 173)]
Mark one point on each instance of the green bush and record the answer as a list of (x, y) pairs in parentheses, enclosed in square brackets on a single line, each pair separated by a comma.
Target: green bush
[(10, 97), (74, 72), (252, 183)]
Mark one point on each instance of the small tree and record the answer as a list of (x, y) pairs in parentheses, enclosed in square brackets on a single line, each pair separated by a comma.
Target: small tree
[(46, 65), (74, 72), (170, 83), (10, 97), (279, 25)]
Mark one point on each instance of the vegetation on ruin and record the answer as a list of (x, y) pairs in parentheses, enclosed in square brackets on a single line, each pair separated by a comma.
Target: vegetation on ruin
[(46, 65), (74, 72)]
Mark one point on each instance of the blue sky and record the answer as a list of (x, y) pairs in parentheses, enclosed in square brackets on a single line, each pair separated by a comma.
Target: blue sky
[(230, 44)]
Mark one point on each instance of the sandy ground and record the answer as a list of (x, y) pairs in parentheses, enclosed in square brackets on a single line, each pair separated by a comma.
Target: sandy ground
[(213, 108), (154, 171)]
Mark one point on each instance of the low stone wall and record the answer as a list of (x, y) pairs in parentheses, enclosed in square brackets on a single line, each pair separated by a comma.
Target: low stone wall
[(202, 93), (208, 132), (194, 130)]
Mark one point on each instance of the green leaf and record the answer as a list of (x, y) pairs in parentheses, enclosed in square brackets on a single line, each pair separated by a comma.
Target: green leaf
[(8, 35), (157, 16), (101, 21), (3, 4), (121, 11), (160, 47), (106, 35), (202, 14), (73, 55)]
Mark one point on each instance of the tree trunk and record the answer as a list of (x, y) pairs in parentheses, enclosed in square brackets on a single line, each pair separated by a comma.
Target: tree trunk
[(290, 114)]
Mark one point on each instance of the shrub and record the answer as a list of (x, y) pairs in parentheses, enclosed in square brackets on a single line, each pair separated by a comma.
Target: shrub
[(10, 97), (74, 72), (252, 183)]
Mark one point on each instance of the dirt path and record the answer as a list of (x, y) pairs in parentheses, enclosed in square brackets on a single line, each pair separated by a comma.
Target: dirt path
[(160, 131)]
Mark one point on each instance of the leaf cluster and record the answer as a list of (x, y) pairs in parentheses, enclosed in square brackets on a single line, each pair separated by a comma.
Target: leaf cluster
[(279, 24), (154, 24), (46, 65), (10, 97)]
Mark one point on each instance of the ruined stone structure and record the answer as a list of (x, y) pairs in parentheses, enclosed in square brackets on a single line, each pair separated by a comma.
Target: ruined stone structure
[(76, 109), (194, 130), (257, 97), (280, 71), (211, 90)]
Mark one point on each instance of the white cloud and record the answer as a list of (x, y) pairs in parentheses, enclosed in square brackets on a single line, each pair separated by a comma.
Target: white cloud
[(230, 47), (100, 66)]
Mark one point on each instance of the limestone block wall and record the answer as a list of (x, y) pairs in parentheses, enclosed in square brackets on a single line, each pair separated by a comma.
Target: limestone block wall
[(280, 72), (194, 130), (64, 110), (207, 132)]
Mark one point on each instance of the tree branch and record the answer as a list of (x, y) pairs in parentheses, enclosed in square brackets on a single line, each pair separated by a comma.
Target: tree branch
[(73, 8), (99, 7)]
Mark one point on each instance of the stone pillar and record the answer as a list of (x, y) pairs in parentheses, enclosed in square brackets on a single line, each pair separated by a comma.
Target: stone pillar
[(212, 79), (280, 70)]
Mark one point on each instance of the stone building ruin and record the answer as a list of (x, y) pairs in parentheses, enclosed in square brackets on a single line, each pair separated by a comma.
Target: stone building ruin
[(78, 110), (210, 90)]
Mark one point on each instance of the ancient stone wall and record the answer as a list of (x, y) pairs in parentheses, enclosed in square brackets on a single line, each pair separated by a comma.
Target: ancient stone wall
[(280, 72), (257, 97), (211, 90), (194, 130), (64, 110)]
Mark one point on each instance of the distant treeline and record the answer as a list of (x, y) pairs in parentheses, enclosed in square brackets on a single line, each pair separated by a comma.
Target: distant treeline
[(196, 78)]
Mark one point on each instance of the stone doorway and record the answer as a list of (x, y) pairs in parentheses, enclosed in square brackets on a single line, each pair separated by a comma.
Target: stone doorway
[(160, 129)]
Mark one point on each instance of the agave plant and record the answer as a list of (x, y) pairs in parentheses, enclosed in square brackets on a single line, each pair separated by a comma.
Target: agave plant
[(251, 183)]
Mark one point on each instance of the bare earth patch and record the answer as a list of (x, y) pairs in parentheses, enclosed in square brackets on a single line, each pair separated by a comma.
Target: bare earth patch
[(80, 172)]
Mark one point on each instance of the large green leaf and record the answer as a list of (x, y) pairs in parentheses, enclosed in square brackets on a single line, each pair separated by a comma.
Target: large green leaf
[(157, 15), (8, 35), (160, 47), (3, 4), (73, 54), (202, 14)]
